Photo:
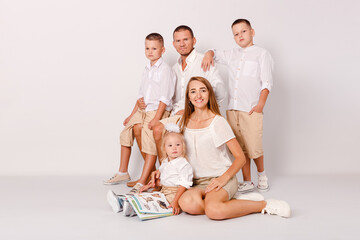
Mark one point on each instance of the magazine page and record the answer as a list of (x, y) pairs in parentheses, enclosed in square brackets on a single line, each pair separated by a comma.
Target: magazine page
[(153, 203)]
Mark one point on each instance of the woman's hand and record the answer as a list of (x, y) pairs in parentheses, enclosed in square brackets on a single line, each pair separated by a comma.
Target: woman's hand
[(176, 207), (217, 183)]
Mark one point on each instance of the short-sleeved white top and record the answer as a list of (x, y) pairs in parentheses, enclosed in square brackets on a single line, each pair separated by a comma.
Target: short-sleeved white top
[(176, 172), (206, 148)]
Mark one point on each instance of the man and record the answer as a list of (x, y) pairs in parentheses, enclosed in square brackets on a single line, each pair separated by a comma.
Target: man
[(187, 66)]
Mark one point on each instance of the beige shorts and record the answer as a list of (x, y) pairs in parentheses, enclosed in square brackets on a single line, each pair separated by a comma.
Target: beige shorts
[(148, 145), (169, 192), (173, 119), (248, 130), (231, 187)]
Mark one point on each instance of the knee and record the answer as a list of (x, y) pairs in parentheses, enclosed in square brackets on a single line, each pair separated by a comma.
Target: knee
[(137, 129), (191, 204), (215, 210), (158, 131)]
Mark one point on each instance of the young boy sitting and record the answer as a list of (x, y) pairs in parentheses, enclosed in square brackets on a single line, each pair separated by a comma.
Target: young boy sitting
[(250, 80), (156, 91)]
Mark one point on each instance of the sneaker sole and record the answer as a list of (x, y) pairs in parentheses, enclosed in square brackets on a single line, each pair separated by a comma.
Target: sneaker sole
[(263, 190), (246, 191), (115, 183), (112, 200)]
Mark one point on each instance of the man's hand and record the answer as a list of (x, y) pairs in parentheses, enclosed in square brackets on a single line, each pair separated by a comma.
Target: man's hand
[(181, 112)]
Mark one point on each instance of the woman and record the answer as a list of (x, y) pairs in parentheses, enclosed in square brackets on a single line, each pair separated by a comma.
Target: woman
[(206, 135)]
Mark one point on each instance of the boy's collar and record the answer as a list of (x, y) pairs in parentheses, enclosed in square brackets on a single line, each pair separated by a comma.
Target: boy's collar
[(247, 48), (157, 64)]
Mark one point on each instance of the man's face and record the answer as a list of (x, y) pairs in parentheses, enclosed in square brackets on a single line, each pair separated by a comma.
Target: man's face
[(183, 42), (243, 34)]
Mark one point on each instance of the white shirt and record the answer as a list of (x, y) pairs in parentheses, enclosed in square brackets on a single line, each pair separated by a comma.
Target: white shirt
[(206, 148), (158, 84), (193, 69), (250, 71), (176, 172)]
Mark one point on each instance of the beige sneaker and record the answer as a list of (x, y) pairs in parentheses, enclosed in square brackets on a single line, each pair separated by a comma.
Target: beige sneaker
[(135, 189), (116, 179)]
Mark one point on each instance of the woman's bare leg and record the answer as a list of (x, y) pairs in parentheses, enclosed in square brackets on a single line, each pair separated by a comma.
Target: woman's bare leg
[(218, 207), (192, 201)]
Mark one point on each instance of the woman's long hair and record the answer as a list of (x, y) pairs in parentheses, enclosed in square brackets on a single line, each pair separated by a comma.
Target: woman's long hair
[(189, 107)]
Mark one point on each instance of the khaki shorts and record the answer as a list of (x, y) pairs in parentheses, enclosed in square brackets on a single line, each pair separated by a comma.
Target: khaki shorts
[(173, 119), (169, 192), (148, 145), (248, 130), (231, 187)]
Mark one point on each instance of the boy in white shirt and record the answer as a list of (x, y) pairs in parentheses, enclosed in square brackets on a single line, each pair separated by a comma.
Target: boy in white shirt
[(250, 81), (156, 91)]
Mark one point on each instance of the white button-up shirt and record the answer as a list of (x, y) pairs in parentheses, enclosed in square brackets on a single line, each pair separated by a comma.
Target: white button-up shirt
[(193, 69), (250, 71), (177, 172), (158, 84)]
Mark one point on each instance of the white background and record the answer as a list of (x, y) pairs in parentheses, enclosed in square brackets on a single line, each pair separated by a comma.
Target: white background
[(70, 71)]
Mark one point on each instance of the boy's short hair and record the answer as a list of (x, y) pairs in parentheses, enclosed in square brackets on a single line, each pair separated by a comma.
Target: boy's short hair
[(241, 20), (155, 37), (183, 28)]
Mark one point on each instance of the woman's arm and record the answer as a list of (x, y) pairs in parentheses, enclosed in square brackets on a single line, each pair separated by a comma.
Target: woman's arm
[(238, 163)]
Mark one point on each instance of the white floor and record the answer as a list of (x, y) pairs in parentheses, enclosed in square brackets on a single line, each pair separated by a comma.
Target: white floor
[(323, 207)]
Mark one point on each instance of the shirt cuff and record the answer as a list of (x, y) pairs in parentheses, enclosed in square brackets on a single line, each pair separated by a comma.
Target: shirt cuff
[(165, 100), (267, 86)]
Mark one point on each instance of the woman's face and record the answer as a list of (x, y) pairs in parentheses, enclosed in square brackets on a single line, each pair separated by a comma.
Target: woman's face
[(198, 94)]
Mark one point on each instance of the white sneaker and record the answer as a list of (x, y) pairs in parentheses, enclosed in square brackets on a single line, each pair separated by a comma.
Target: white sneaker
[(246, 187), (249, 196), (128, 210), (263, 185), (277, 207), (114, 201)]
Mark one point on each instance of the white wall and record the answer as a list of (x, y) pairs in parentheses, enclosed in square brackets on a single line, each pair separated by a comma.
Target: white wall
[(70, 71)]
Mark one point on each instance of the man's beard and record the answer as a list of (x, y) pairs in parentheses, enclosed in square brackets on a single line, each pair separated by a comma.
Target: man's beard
[(187, 54)]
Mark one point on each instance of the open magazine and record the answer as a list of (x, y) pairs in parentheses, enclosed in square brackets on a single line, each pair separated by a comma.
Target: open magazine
[(149, 205)]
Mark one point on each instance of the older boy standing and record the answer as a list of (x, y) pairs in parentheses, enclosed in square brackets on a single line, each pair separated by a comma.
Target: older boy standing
[(250, 81)]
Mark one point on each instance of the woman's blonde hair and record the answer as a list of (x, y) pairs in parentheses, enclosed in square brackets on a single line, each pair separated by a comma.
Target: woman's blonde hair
[(168, 134), (189, 107)]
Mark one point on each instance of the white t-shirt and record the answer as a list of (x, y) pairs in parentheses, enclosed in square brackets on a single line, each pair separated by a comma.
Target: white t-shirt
[(250, 71), (176, 172), (206, 148)]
